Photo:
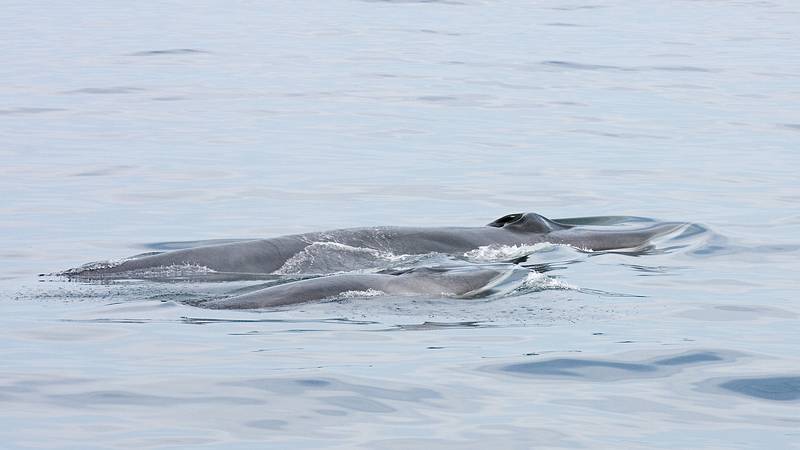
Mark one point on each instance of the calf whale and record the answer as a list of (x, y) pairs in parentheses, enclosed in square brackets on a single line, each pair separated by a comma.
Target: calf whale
[(266, 256), (461, 281)]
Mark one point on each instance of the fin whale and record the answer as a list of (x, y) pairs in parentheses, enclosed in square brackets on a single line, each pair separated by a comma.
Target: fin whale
[(265, 256), (462, 282)]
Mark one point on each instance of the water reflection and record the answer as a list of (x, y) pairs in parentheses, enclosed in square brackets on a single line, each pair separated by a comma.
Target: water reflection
[(604, 370), (303, 385), (439, 326), (346, 396), (723, 313), (174, 51), (268, 424), (783, 389), (107, 90), (93, 399), (567, 65), (28, 110)]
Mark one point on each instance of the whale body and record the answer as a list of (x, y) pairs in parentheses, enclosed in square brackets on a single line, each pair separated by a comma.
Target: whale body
[(463, 282), (266, 256)]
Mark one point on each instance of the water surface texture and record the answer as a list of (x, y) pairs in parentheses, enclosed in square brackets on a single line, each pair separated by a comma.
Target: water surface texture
[(128, 128)]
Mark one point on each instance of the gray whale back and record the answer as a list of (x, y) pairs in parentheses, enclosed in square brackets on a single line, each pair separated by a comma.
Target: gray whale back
[(266, 256), (432, 281)]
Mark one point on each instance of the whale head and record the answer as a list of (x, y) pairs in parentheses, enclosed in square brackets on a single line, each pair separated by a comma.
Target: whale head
[(528, 223)]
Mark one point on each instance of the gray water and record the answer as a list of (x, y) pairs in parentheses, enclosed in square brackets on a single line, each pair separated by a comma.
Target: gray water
[(125, 126)]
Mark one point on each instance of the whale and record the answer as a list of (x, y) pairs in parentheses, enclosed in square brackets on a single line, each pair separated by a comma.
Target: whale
[(470, 281), (268, 256)]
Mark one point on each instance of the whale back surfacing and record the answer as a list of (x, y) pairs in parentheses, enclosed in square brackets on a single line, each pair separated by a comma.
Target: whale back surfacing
[(268, 256), (432, 281)]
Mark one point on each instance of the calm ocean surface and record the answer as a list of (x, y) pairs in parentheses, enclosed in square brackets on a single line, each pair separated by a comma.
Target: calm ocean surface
[(125, 126)]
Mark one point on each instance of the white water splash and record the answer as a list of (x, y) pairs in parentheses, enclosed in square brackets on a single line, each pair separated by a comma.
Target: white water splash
[(170, 271), (92, 266), (328, 257), (175, 271), (536, 281), (358, 294), (495, 253)]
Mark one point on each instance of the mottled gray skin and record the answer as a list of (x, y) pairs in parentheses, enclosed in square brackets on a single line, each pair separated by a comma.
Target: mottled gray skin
[(264, 256), (437, 281)]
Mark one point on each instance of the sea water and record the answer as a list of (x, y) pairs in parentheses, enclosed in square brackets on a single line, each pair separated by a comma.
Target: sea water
[(126, 127)]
